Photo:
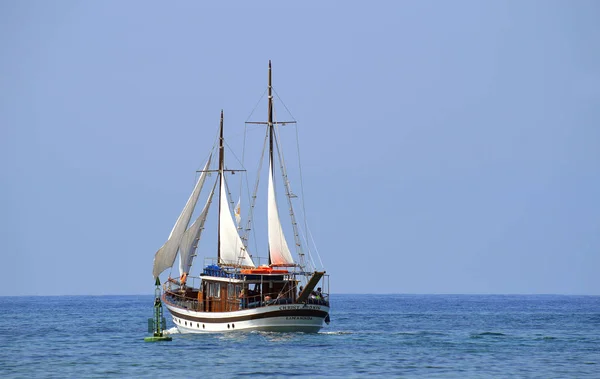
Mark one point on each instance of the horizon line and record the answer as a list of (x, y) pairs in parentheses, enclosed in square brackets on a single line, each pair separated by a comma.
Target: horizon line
[(335, 294)]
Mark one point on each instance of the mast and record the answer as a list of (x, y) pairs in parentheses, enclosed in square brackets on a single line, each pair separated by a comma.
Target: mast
[(273, 145), (270, 119), (270, 126), (221, 160)]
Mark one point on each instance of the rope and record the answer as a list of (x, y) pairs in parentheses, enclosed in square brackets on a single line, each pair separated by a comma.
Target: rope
[(256, 106), (302, 193), (254, 196), (282, 103)]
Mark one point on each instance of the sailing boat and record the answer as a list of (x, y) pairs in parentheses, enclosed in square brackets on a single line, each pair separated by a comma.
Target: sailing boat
[(232, 292)]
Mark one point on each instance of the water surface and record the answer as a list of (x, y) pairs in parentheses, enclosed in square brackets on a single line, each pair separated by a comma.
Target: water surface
[(386, 335)]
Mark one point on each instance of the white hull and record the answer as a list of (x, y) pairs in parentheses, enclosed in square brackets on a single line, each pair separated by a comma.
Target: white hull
[(275, 318)]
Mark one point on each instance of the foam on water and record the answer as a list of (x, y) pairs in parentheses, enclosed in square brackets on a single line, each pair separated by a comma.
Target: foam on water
[(172, 330)]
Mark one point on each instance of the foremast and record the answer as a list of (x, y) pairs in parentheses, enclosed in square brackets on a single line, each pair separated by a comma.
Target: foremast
[(230, 248)]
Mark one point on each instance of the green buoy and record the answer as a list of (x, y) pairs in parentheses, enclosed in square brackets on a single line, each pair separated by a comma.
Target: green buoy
[(158, 324)]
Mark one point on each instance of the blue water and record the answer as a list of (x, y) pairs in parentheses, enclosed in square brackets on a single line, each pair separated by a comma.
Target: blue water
[(384, 335)]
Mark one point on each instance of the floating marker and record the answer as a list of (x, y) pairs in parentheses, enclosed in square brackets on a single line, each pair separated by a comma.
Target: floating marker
[(157, 324)]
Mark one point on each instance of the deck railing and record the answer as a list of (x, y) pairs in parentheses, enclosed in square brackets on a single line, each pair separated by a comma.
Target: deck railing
[(186, 296)]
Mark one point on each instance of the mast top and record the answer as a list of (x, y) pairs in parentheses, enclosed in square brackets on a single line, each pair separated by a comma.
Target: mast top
[(270, 85), (221, 149)]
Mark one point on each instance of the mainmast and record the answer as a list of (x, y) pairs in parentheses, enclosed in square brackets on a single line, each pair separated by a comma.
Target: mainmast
[(221, 166), (270, 119), (274, 144), (270, 126)]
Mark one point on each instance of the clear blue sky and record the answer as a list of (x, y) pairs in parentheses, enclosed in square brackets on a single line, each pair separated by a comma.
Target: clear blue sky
[(448, 147)]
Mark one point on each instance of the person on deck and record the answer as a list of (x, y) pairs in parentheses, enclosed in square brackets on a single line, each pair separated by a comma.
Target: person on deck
[(242, 298)]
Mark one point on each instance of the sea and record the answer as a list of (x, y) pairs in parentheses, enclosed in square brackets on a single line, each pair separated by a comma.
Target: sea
[(387, 336)]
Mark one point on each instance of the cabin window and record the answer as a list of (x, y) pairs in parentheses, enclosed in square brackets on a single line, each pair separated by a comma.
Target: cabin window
[(230, 291), (215, 290)]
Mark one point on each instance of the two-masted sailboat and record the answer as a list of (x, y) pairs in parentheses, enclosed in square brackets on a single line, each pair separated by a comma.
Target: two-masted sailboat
[(232, 292)]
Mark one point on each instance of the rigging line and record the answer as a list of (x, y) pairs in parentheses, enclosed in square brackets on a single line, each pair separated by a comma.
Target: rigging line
[(243, 158), (254, 127), (317, 250), (286, 184), (196, 178), (302, 185), (198, 240), (311, 261), (254, 196), (230, 150), (244, 176), (257, 104), (297, 239), (210, 152), (230, 200), (282, 103), (305, 237), (234, 136)]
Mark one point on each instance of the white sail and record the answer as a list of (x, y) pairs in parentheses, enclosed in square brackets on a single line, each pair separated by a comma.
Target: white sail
[(278, 248), (165, 256), (232, 248), (190, 239)]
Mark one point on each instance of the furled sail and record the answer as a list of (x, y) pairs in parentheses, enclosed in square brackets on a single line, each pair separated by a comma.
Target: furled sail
[(165, 256), (278, 248), (189, 241), (232, 248)]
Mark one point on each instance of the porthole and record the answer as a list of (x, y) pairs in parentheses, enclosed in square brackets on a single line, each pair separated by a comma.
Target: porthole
[(228, 326), (185, 323), (233, 326), (198, 325), (203, 326)]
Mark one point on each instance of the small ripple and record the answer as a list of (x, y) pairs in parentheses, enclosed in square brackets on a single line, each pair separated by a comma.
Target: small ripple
[(487, 334), (261, 373), (428, 333), (336, 333), (546, 338)]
